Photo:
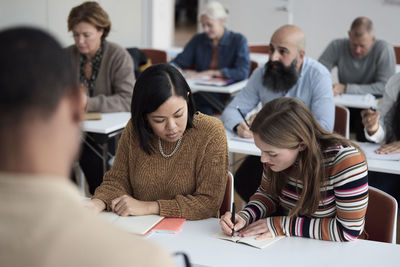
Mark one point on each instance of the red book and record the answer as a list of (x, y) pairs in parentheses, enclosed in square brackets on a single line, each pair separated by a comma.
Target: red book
[(169, 225)]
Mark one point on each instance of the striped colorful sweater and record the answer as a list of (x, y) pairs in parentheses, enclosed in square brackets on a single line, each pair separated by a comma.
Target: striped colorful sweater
[(341, 211)]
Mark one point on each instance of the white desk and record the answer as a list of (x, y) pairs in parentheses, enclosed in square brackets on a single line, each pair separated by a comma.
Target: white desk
[(207, 89), (196, 239), (109, 123), (228, 89), (356, 101), (235, 146), (102, 130)]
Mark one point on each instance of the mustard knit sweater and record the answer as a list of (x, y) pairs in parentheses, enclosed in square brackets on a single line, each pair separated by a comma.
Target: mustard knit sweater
[(190, 184)]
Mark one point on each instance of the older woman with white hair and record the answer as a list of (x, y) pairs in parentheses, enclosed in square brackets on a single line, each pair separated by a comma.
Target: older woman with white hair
[(216, 52)]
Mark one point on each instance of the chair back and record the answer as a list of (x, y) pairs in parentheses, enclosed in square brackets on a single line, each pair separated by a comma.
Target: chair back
[(342, 121), (397, 53), (253, 66), (262, 49), (156, 56), (228, 196), (381, 216)]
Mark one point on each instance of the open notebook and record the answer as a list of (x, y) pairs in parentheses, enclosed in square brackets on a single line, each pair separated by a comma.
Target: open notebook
[(139, 225), (250, 240)]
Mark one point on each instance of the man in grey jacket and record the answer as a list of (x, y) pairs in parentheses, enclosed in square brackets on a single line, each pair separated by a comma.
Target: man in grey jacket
[(364, 63)]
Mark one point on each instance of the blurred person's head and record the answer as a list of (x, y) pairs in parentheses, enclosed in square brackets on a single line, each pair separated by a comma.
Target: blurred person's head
[(162, 105), (41, 104), (213, 18), (90, 25), (286, 54), (361, 36)]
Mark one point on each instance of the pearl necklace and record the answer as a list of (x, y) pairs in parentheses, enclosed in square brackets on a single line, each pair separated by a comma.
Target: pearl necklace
[(173, 152)]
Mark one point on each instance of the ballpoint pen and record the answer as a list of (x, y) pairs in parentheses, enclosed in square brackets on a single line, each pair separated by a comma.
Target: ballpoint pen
[(241, 114), (233, 217)]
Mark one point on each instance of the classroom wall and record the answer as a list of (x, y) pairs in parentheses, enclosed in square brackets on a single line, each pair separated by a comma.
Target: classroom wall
[(134, 22), (322, 20), (149, 23)]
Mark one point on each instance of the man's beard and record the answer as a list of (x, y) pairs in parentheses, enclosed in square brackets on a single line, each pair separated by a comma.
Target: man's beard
[(280, 78)]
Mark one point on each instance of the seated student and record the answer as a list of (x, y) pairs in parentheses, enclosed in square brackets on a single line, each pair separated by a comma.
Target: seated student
[(364, 65), (287, 73), (314, 184), (42, 220), (383, 127), (105, 69), (170, 160), (216, 52)]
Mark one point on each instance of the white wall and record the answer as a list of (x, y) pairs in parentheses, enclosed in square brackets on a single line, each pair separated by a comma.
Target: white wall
[(129, 19), (322, 20)]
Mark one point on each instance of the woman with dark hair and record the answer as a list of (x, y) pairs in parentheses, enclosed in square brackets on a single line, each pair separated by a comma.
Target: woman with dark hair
[(383, 126), (170, 160), (106, 70), (314, 183)]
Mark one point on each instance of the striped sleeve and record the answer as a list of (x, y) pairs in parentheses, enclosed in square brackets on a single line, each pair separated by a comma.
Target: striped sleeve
[(349, 184), (261, 204)]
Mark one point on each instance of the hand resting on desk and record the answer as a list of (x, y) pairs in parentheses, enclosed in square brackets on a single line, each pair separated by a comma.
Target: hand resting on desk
[(95, 204), (127, 205), (391, 148)]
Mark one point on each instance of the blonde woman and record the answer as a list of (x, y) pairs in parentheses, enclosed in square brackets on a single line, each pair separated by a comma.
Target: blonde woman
[(216, 52)]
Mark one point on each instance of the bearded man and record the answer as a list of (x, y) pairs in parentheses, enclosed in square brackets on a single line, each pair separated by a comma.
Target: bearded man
[(288, 73)]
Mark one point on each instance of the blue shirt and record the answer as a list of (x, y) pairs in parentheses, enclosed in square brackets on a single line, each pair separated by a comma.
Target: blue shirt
[(314, 88), (233, 55)]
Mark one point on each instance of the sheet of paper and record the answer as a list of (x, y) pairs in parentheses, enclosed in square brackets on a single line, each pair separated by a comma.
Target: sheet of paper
[(369, 150), (240, 139)]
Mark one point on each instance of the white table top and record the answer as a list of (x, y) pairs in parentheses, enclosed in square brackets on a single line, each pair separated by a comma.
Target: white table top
[(356, 101), (197, 240), (249, 148), (109, 123), (228, 89)]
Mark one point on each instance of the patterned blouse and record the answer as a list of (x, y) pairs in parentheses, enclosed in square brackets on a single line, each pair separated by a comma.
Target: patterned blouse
[(96, 62)]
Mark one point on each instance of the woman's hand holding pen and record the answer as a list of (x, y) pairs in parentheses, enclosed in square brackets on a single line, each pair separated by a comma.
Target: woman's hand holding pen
[(370, 119), (227, 225)]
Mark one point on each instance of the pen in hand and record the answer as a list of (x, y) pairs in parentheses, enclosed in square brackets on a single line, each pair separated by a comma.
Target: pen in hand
[(241, 114), (233, 217)]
